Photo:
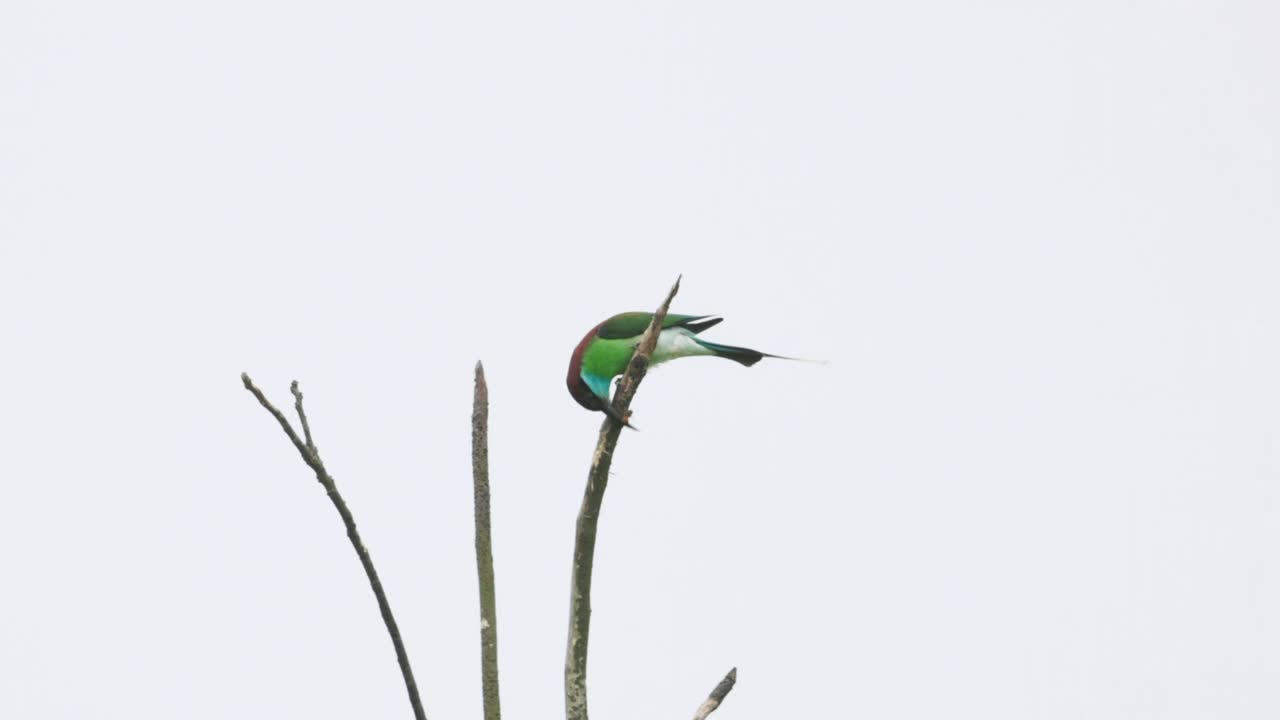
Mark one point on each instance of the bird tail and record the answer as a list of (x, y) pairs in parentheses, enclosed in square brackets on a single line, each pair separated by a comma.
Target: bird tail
[(742, 355), (746, 356)]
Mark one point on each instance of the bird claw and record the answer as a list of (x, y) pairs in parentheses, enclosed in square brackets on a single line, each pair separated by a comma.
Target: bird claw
[(623, 420)]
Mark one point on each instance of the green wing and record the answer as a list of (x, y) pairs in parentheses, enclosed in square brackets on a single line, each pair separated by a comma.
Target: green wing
[(633, 324)]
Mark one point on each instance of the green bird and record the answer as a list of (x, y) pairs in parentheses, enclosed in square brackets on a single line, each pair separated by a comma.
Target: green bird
[(607, 348)]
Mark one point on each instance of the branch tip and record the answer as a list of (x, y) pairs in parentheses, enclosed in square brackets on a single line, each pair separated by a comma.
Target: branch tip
[(302, 416), (717, 695)]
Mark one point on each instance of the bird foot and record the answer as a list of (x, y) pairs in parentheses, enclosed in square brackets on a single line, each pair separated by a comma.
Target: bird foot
[(623, 420)]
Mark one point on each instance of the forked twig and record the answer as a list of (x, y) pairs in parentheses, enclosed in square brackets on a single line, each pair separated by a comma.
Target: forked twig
[(307, 449)]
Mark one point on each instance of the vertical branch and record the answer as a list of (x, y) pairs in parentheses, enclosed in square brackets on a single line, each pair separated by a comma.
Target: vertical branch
[(306, 448), (484, 548), (575, 664)]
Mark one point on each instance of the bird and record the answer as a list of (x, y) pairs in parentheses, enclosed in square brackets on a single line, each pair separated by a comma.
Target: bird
[(606, 349)]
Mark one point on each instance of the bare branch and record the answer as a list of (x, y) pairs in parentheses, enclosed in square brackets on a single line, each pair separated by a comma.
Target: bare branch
[(312, 458), (717, 695), (302, 415), (313, 463), (484, 549), (575, 664)]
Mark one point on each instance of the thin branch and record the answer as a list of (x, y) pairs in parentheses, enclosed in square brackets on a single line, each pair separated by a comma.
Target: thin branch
[(575, 664), (312, 458), (484, 549), (302, 416), (717, 695)]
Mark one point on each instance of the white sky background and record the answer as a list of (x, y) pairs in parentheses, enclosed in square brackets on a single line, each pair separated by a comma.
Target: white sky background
[(1038, 243)]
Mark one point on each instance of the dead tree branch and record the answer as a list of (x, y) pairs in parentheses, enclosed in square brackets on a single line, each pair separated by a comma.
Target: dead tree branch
[(307, 449), (484, 549), (717, 695), (575, 664)]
